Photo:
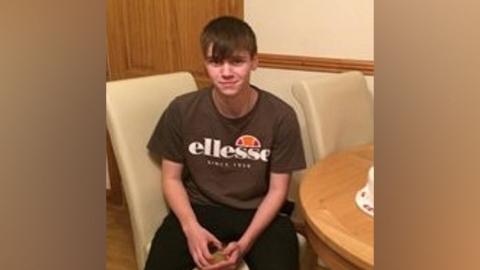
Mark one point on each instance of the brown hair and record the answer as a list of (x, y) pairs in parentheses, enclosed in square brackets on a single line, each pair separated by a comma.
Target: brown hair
[(227, 35)]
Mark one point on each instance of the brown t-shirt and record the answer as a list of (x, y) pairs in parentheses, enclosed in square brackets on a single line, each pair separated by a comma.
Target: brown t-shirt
[(228, 161)]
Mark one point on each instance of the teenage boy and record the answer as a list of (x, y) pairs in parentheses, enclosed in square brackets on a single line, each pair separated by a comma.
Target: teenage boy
[(227, 155)]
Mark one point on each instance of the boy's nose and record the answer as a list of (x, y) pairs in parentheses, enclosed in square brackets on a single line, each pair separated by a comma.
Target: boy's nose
[(226, 70)]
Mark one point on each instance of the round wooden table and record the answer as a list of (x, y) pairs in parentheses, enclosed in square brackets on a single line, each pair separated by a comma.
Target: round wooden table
[(340, 233)]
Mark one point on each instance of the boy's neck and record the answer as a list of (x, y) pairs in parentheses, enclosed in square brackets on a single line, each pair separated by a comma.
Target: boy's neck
[(237, 106)]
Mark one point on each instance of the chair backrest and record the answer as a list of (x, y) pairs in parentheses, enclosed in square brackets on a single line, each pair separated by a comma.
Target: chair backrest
[(134, 107), (338, 111)]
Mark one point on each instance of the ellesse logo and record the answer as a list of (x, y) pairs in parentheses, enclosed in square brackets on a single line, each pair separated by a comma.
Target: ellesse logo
[(248, 141), (246, 147)]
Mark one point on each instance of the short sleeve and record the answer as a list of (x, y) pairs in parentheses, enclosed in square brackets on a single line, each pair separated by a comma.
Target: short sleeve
[(287, 151), (166, 140)]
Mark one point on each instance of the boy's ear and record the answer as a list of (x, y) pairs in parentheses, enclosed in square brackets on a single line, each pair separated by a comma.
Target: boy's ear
[(255, 62)]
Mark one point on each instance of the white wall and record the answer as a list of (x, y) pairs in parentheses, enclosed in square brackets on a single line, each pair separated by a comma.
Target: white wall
[(338, 29), (318, 28)]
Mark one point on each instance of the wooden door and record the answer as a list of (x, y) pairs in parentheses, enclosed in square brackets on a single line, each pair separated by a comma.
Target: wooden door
[(146, 37)]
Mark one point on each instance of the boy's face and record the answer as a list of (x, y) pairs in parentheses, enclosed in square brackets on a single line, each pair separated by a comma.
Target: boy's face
[(232, 75)]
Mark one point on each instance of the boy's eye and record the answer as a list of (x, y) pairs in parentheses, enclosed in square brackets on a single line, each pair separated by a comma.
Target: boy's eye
[(231, 61), (237, 61), (213, 62)]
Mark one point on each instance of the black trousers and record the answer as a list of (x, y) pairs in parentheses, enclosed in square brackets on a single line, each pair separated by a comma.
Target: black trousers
[(275, 249)]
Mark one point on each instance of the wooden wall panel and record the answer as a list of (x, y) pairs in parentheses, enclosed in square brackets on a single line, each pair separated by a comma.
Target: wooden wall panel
[(319, 64), (159, 36), (116, 38)]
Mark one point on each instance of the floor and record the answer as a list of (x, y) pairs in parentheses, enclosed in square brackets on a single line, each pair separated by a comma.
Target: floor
[(120, 251)]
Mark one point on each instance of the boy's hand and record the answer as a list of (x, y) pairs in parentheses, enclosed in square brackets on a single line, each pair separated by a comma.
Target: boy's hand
[(234, 253), (227, 259), (199, 240)]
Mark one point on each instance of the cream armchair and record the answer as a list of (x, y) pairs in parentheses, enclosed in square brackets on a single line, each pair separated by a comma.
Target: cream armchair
[(133, 109), (338, 111)]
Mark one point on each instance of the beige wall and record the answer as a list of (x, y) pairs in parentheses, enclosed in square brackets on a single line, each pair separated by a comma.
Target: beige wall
[(339, 29), (318, 28)]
